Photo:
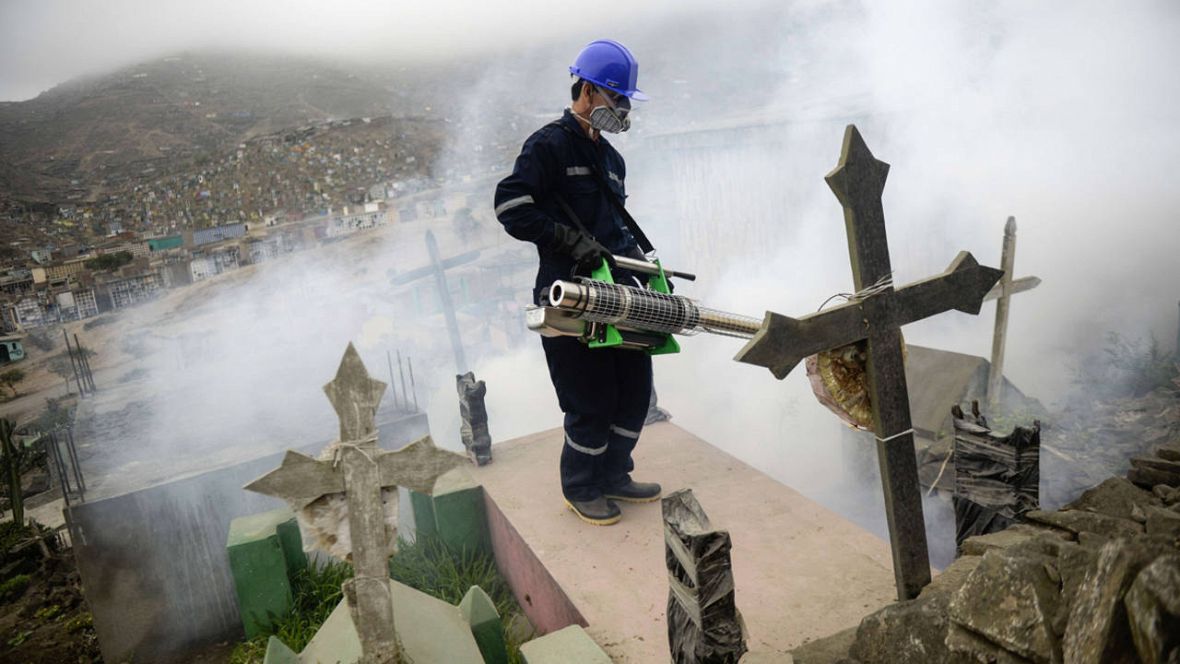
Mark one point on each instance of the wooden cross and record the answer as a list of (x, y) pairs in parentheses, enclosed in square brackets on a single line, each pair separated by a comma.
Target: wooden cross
[(361, 470), (1003, 292), (858, 181)]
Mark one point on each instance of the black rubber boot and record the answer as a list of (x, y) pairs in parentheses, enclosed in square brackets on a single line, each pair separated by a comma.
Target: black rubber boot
[(600, 511), (635, 492)]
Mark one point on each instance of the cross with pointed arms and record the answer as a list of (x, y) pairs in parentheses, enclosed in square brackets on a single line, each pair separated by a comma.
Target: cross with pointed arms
[(363, 471), (858, 181)]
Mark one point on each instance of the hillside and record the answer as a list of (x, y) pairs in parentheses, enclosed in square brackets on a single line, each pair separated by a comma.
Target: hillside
[(84, 136)]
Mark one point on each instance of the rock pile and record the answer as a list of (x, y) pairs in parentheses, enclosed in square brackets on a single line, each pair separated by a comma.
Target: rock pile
[(1098, 581)]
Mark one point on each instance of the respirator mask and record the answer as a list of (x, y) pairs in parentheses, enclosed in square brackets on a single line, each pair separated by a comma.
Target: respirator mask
[(614, 117)]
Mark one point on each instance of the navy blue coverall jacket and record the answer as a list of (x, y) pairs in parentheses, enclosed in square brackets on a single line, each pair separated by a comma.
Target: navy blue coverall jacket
[(604, 393)]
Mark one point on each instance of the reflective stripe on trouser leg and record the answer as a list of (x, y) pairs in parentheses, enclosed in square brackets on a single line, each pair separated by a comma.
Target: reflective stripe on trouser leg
[(617, 463), (582, 452), (633, 376), (625, 433), (592, 451)]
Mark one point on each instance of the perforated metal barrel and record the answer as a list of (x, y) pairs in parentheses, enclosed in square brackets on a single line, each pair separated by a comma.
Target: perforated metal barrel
[(641, 309)]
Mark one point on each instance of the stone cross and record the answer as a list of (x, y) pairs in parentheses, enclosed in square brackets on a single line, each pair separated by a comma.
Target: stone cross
[(858, 182), (361, 469), (473, 418), (1002, 293), (438, 268)]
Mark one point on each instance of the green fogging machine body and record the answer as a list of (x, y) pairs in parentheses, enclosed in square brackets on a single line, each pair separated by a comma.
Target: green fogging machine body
[(604, 314)]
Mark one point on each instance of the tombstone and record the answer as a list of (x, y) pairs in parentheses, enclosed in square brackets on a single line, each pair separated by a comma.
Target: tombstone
[(873, 317), (997, 478), (703, 622), (473, 416), (356, 468)]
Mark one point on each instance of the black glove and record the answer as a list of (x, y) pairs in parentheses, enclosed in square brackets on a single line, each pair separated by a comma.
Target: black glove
[(587, 252)]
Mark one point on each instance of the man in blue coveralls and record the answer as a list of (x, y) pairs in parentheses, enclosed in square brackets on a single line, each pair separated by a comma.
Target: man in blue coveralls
[(565, 195)]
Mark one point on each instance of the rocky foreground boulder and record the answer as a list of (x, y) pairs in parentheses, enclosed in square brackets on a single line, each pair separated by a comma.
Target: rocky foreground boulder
[(1095, 582)]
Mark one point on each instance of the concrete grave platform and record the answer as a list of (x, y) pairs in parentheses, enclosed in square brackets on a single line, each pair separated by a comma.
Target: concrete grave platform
[(802, 571)]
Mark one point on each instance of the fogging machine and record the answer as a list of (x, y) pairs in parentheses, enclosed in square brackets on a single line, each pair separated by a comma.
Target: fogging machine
[(604, 314)]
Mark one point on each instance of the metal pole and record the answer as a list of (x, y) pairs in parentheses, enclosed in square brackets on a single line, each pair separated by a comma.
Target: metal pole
[(400, 370), (59, 466), (85, 364), (995, 378), (73, 365), (392, 384), (73, 452), (413, 388)]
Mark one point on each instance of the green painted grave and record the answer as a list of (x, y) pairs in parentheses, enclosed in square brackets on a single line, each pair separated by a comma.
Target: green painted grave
[(264, 553)]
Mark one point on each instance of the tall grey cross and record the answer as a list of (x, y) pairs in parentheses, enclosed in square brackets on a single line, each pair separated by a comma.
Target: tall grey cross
[(438, 267), (361, 470), (858, 181), (1002, 293)]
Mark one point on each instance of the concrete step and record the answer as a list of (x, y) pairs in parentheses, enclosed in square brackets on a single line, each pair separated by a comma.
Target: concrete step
[(802, 571)]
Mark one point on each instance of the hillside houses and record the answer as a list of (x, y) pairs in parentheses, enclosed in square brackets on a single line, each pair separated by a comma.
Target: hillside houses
[(76, 283)]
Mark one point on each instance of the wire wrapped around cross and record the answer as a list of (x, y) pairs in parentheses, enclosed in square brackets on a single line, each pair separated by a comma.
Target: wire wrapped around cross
[(839, 377)]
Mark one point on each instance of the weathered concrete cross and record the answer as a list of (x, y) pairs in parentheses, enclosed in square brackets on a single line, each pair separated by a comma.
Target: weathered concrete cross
[(1003, 292), (438, 268), (360, 469), (858, 181)]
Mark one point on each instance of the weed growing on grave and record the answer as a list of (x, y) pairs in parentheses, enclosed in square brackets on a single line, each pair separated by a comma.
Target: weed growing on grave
[(317, 591), (14, 587), (429, 566), (47, 613), (426, 565)]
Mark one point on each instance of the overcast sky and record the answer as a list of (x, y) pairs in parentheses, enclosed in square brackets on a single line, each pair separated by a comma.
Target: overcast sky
[(46, 42)]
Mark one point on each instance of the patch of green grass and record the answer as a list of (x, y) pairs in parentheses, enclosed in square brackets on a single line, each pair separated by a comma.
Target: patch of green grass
[(14, 587), (426, 565), (317, 590), (429, 566), (80, 622)]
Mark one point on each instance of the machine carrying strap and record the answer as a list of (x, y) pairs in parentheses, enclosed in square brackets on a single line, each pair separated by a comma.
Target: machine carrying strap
[(569, 212), (629, 221)]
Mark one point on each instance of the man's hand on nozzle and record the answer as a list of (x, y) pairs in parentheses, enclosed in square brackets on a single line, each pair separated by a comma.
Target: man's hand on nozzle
[(587, 252)]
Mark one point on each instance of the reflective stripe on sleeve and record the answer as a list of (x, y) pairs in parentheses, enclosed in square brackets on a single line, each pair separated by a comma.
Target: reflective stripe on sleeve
[(513, 202)]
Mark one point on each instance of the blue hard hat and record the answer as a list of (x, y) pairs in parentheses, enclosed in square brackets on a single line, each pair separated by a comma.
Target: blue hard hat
[(608, 64)]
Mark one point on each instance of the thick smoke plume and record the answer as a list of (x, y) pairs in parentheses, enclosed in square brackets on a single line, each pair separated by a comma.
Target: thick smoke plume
[(1060, 115)]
